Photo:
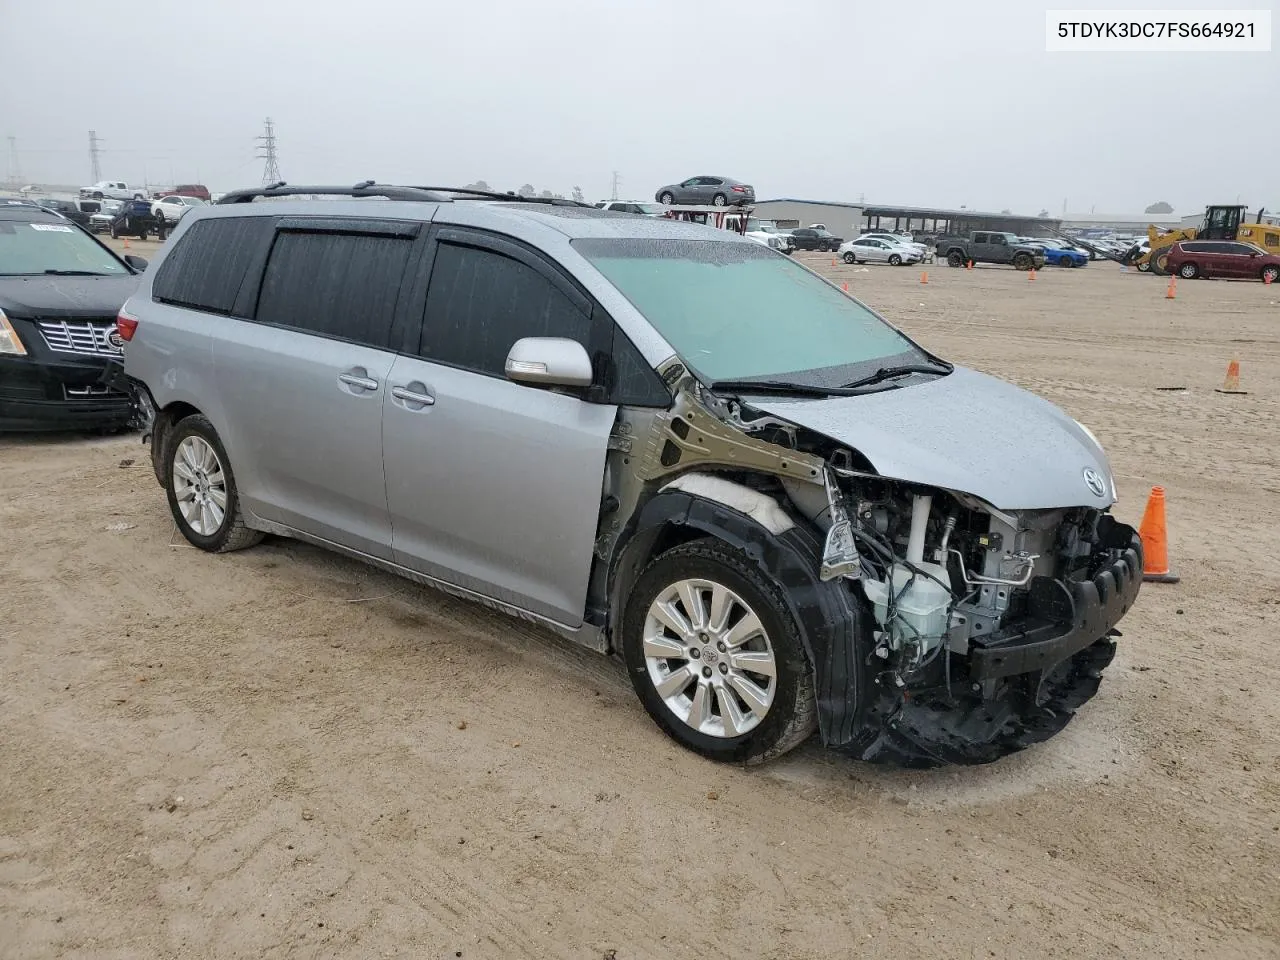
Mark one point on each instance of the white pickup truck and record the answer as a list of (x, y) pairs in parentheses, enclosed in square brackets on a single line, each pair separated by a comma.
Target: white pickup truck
[(113, 190)]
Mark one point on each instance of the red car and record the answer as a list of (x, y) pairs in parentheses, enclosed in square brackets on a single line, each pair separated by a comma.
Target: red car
[(197, 190), (1224, 260)]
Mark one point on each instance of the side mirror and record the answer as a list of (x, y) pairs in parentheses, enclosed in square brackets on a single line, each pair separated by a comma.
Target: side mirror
[(138, 263), (549, 362)]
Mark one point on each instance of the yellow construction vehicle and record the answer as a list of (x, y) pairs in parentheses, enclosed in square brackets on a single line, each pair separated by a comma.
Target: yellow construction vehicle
[(1220, 223)]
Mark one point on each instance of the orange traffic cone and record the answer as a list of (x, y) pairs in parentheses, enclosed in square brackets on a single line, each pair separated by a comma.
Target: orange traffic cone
[(845, 286), (1232, 383), (1155, 541), (1032, 274), (833, 261), (1172, 292), (924, 276), (126, 243)]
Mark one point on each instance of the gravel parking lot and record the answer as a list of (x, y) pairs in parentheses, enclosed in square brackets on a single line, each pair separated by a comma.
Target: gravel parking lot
[(283, 753)]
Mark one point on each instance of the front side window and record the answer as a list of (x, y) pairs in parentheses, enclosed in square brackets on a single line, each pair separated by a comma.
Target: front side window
[(480, 302), (53, 247), (735, 311), (341, 285)]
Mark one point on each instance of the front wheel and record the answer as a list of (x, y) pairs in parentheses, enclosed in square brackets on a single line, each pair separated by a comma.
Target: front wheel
[(1270, 274), (1023, 261), (202, 489), (850, 259), (894, 260), (715, 655), (954, 259), (667, 199)]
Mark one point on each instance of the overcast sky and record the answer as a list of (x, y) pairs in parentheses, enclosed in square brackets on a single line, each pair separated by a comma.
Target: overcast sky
[(922, 102)]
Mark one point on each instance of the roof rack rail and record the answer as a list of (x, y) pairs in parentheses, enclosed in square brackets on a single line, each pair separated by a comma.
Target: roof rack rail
[(510, 196), (366, 188)]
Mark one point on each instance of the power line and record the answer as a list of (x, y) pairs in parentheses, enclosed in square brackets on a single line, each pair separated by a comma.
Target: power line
[(267, 152), (95, 157)]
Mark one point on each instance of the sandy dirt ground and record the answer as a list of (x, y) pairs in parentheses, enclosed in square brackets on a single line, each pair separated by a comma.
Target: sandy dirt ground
[(281, 753)]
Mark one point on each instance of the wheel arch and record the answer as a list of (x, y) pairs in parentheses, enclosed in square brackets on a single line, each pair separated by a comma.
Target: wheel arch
[(166, 419), (827, 612)]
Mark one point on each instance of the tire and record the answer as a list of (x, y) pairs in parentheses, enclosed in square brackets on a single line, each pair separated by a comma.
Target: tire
[(193, 460), (703, 567), (1144, 267), (1023, 261), (142, 234), (666, 198), (894, 260), (955, 259), (850, 259), (1159, 263), (1188, 271), (1270, 274), (719, 200)]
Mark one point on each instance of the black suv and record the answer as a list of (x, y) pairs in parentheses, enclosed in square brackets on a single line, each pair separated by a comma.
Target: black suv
[(813, 238), (73, 210), (60, 291), (136, 219)]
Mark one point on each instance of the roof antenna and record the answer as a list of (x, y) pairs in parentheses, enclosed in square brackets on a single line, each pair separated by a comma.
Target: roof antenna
[(364, 185), (275, 186)]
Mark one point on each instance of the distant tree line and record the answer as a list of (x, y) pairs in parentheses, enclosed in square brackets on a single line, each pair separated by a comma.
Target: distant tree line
[(528, 190)]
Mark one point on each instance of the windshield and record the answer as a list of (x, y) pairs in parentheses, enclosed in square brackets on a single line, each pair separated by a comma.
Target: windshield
[(37, 248), (735, 311)]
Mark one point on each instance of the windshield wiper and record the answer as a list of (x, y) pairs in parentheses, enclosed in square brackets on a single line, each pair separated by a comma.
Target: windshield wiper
[(75, 273), (886, 373), (781, 386)]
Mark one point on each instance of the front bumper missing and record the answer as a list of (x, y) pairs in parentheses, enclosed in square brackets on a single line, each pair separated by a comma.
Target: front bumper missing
[(1064, 617)]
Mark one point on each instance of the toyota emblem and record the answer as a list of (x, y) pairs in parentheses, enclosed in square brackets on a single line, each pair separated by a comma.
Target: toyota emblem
[(1093, 480)]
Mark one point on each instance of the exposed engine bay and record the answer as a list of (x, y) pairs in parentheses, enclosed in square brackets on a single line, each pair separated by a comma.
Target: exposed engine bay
[(979, 630)]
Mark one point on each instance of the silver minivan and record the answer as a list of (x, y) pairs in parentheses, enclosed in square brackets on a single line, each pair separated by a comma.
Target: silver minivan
[(661, 440)]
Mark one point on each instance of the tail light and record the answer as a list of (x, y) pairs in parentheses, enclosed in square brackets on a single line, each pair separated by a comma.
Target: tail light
[(126, 325), (739, 189)]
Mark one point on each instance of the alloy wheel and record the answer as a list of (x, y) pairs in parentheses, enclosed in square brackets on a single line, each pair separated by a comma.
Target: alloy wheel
[(200, 485), (709, 658)]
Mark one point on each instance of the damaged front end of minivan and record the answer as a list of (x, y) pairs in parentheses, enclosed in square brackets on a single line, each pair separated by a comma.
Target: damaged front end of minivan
[(942, 627)]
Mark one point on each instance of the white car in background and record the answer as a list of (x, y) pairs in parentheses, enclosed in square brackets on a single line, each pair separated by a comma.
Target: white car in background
[(876, 250), (100, 222), (920, 248), (172, 208)]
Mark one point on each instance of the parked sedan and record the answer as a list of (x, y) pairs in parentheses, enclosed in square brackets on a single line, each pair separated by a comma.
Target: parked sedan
[(1059, 254), (877, 250), (171, 208), (706, 190), (815, 238), (1222, 260), (901, 241)]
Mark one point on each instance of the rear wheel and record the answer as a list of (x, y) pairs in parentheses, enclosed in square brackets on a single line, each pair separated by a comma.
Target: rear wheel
[(202, 489), (955, 259), (1160, 263), (715, 655), (894, 260), (1188, 271), (719, 200), (1270, 274)]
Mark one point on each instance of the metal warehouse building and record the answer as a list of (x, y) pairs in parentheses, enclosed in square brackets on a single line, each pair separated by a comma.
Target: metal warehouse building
[(853, 219)]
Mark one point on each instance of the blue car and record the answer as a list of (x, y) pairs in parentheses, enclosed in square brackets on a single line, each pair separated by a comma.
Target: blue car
[(1060, 255)]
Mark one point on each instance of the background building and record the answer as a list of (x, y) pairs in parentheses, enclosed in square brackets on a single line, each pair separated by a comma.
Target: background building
[(853, 219)]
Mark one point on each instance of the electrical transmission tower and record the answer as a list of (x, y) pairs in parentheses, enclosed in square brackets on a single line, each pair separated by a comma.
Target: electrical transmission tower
[(267, 152), (15, 175), (95, 157), (613, 195)]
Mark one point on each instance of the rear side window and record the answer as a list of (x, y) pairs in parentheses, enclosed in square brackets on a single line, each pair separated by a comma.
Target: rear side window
[(204, 271), (481, 302), (342, 285)]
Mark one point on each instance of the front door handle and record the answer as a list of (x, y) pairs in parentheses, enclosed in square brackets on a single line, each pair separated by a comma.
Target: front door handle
[(353, 380), (410, 396)]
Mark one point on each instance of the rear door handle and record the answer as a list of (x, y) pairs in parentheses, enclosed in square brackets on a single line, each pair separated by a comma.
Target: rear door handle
[(410, 396), (364, 383)]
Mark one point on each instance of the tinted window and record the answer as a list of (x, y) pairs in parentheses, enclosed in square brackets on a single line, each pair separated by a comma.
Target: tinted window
[(999, 239), (342, 285), (204, 271), (481, 302), (1194, 247), (635, 382), (1241, 248), (979, 238)]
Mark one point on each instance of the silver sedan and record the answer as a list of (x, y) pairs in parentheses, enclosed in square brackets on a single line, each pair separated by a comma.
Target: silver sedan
[(871, 250)]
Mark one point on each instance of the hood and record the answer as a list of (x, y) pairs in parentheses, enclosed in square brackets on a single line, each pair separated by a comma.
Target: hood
[(966, 432), (65, 297)]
